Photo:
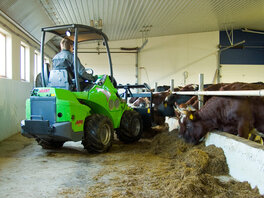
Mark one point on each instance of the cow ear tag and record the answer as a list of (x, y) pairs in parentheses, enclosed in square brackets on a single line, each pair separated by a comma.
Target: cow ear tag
[(148, 110), (165, 105), (191, 116)]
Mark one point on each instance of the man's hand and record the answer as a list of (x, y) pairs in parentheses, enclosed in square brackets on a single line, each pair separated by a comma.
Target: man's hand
[(95, 78)]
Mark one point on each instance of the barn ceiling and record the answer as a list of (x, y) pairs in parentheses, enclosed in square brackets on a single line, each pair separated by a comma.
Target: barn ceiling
[(129, 19)]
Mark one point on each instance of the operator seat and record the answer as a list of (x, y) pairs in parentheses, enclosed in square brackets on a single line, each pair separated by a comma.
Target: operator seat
[(61, 78)]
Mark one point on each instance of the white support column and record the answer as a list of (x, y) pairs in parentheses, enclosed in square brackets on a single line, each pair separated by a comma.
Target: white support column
[(201, 87), (172, 85)]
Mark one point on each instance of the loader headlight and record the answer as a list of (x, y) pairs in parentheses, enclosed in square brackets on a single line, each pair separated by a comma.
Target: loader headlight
[(68, 33)]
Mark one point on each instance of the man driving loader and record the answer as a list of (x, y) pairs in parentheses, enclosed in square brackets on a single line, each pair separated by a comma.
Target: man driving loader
[(65, 59)]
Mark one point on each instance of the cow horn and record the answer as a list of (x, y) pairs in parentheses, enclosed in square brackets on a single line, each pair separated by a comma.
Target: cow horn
[(190, 108), (176, 109)]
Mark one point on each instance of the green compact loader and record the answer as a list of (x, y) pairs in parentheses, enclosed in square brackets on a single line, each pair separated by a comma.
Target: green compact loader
[(59, 111)]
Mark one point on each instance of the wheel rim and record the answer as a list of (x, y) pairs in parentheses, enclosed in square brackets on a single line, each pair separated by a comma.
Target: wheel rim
[(136, 126), (105, 134)]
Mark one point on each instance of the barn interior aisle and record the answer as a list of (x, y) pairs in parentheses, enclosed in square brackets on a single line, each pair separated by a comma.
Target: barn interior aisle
[(160, 166)]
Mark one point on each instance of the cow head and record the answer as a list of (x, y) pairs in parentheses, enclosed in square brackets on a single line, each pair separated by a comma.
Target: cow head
[(192, 128), (182, 110), (158, 98), (193, 131)]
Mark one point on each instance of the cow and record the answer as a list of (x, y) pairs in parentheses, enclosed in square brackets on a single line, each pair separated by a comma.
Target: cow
[(132, 100), (141, 102), (235, 115), (211, 87), (225, 87), (242, 86), (173, 101), (163, 88), (159, 97), (179, 99), (160, 88)]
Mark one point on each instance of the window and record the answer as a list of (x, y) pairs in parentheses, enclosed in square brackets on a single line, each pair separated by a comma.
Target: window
[(24, 62), (3, 55)]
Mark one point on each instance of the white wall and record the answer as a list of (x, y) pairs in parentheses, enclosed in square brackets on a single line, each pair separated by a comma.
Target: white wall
[(167, 57), (12, 105), (123, 63), (14, 92), (242, 73), (162, 59)]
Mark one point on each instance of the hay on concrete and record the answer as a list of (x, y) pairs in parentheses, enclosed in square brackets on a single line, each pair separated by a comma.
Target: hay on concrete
[(166, 167)]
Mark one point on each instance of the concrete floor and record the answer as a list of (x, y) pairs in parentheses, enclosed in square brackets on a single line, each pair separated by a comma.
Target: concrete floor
[(27, 170), (127, 170)]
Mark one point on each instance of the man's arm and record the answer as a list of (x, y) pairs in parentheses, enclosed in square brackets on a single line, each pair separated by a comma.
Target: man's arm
[(83, 73)]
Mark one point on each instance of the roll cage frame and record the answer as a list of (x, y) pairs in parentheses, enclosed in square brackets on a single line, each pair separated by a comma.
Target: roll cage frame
[(81, 33)]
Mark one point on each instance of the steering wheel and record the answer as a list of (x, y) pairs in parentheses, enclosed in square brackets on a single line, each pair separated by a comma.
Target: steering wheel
[(89, 71)]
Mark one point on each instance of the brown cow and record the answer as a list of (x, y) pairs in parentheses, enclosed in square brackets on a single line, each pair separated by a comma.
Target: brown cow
[(158, 98), (184, 103), (141, 102), (225, 87), (175, 99), (214, 87), (242, 86), (236, 115), (132, 100)]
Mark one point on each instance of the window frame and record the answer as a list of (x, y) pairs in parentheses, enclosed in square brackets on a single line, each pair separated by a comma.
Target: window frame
[(23, 69), (5, 56), (25, 75)]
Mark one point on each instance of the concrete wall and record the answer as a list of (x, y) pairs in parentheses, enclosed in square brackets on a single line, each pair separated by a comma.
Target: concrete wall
[(242, 73), (162, 59), (169, 57), (13, 91), (12, 105), (123, 63), (244, 158)]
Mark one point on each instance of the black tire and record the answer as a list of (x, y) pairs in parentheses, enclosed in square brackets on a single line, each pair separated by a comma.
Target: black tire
[(98, 133), (130, 127), (49, 144)]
